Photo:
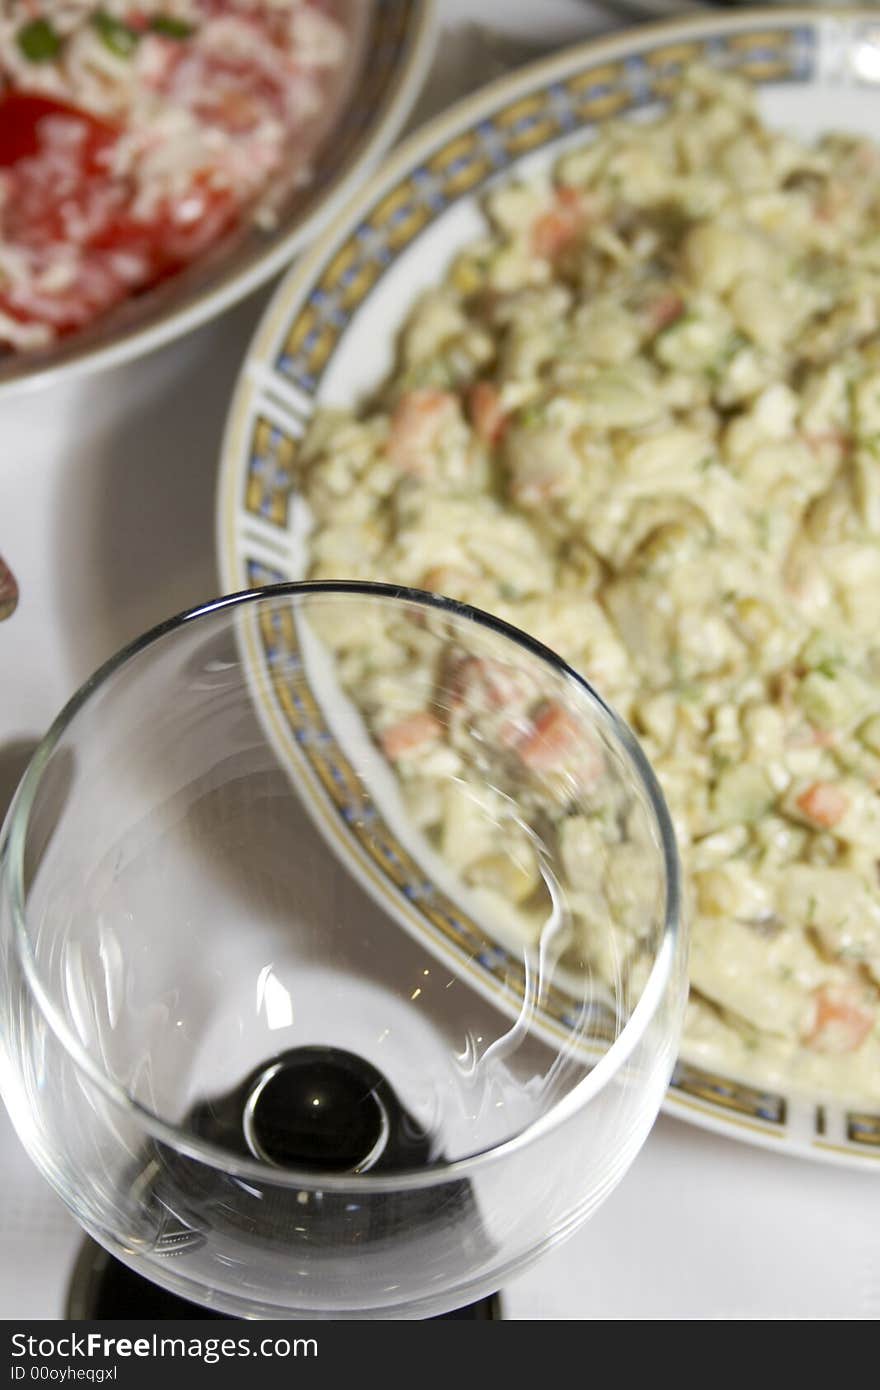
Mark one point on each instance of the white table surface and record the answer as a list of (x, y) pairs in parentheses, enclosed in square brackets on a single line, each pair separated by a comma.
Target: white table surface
[(106, 518)]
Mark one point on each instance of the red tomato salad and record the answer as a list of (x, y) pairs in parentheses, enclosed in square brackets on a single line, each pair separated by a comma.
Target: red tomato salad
[(135, 133)]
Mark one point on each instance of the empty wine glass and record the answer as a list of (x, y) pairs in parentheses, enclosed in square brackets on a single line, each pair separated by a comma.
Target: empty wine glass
[(342, 970)]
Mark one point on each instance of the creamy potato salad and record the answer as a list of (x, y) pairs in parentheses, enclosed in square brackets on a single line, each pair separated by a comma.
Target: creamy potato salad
[(641, 420)]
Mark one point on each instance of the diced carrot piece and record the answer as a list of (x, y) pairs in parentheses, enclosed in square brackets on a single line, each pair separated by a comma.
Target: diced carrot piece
[(486, 412), (483, 684), (806, 735), (867, 157), (410, 735), (512, 731), (836, 197), (841, 1022), (823, 738), (551, 741), (555, 230), (416, 422), (664, 310), (450, 580), (824, 804), (832, 444)]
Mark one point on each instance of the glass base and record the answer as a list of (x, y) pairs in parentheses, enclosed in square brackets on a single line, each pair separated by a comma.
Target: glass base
[(104, 1289)]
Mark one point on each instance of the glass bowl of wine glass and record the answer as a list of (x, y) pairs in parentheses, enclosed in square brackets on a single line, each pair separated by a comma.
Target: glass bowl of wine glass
[(341, 960)]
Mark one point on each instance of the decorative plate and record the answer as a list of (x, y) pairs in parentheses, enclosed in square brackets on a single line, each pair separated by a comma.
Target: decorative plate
[(394, 52), (328, 338)]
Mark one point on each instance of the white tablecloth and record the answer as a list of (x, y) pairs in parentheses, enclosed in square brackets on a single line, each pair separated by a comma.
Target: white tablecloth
[(106, 518)]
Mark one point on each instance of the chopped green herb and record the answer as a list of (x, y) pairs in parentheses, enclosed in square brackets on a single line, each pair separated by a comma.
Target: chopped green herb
[(532, 415), (690, 692), (705, 464), (717, 370), (509, 591), (734, 344), (828, 668), (171, 28), (38, 41), (114, 34)]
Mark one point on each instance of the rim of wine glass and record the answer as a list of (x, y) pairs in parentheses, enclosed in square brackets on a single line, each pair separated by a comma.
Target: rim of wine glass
[(622, 1047)]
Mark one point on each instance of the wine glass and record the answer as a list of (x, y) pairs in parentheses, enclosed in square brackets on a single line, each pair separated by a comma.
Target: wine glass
[(342, 963)]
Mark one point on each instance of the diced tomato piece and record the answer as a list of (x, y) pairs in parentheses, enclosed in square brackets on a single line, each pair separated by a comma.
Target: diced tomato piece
[(60, 193), (841, 1021), (57, 194), (75, 222), (21, 118), (176, 233)]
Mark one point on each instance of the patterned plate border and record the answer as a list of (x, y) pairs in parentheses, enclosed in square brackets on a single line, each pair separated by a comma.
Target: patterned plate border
[(456, 156)]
